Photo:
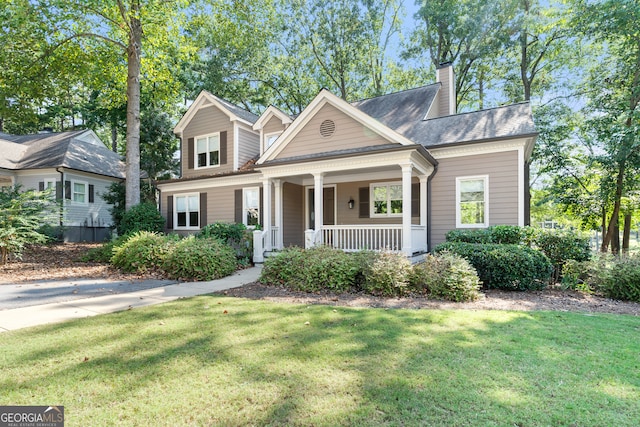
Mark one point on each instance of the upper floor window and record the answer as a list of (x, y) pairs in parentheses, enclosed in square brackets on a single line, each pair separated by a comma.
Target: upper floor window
[(208, 151), (472, 202), (251, 206), (187, 211), (386, 199), (270, 138)]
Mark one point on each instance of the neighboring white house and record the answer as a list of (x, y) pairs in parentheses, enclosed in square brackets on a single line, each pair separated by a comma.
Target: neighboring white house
[(393, 172), (80, 168)]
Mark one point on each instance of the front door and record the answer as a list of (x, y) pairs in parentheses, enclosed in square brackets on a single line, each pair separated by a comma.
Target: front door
[(329, 207)]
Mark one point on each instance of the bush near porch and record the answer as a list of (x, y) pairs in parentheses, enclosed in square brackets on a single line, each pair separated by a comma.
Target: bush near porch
[(377, 273)]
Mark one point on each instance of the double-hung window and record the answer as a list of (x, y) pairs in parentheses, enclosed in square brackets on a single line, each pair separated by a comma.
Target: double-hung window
[(187, 211), (270, 138), (472, 196), (251, 206), (386, 199), (79, 191), (208, 151)]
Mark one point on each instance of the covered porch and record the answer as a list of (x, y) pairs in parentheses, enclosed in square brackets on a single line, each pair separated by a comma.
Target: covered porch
[(375, 201)]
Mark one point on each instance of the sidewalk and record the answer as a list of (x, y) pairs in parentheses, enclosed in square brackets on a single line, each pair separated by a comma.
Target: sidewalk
[(23, 317)]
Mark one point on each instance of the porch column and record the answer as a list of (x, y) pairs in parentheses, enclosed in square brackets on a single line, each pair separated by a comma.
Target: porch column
[(317, 203), (407, 170), (423, 200), (266, 214), (277, 190)]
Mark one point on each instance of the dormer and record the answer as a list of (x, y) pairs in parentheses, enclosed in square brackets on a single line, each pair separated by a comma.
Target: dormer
[(271, 124), (216, 137)]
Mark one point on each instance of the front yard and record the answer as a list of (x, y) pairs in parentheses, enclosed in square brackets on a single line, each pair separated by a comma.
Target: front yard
[(216, 360)]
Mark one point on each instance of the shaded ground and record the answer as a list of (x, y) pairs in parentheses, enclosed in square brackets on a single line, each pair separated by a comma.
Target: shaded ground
[(62, 261)]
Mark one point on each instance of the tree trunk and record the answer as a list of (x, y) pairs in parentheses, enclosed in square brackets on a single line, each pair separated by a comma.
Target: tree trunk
[(615, 240), (613, 221), (114, 137), (626, 233), (133, 106)]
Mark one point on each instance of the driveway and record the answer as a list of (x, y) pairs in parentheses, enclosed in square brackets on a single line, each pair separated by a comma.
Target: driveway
[(46, 292)]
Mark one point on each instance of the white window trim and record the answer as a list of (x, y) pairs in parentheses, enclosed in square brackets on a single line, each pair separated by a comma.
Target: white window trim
[(52, 182), (372, 200), (73, 193), (175, 211), (266, 139), (244, 206), (195, 151), (485, 178)]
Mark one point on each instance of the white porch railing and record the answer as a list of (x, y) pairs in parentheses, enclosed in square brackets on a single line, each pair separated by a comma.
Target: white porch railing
[(351, 238), (259, 244), (275, 238)]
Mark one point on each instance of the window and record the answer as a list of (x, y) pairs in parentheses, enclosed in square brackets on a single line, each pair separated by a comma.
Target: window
[(251, 206), (386, 199), (187, 211), (79, 191), (208, 151), (472, 202), (270, 138), (50, 184)]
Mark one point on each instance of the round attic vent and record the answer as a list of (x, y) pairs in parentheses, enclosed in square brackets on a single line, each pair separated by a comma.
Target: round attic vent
[(327, 128)]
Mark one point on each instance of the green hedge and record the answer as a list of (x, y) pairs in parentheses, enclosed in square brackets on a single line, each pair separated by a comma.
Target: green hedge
[(509, 267), (199, 259), (561, 246), (142, 217), (446, 276), (501, 234), (607, 275), (141, 251), (233, 234)]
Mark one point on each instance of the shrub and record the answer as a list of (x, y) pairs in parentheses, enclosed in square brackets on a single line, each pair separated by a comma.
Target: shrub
[(199, 259), (141, 252), (509, 267), (478, 235), (501, 234), (311, 270), (235, 235), (142, 217), (560, 246), (577, 275), (104, 252), (446, 276), (619, 278), (386, 274)]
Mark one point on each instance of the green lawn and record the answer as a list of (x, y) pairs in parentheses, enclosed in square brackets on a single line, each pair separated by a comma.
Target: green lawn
[(225, 361)]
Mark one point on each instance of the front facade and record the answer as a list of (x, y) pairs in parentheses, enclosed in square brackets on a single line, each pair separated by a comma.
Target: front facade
[(76, 166), (394, 172)]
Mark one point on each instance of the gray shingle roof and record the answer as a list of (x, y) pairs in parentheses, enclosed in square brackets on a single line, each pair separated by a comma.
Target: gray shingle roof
[(66, 149), (495, 123), (238, 111)]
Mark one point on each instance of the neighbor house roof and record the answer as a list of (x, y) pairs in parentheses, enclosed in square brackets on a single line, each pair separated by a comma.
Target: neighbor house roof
[(79, 150)]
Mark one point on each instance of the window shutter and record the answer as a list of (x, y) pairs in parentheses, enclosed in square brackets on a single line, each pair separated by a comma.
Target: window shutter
[(58, 190), (261, 219), (415, 200), (223, 148), (41, 186), (238, 206), (363, 196), (203, 209), (91, 193), (190, 153), (67, 190), (170, 213)]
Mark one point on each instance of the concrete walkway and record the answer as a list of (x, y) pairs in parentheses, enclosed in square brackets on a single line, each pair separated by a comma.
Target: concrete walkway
[(22, 317)]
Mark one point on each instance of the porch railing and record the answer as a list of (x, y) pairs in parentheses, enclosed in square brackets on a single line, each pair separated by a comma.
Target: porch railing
[(351, 238)]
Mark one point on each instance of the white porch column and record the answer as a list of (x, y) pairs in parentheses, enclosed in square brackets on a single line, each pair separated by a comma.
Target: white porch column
[(318, 180), (407, 169), (423, 200), (266, 214), (277, 193)]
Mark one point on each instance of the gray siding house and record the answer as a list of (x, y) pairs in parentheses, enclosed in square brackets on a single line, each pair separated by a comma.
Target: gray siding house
[(395, 172), (77, 165)]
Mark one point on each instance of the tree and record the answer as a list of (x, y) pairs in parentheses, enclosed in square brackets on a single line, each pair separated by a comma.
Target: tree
[(22, 213)]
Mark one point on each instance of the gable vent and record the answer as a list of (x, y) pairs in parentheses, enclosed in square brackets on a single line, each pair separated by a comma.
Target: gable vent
[(327, 128)]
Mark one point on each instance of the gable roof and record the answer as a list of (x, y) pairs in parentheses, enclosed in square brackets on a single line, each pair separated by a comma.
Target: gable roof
[(496, 123), (205, 99), (78, 150), (271, 112)]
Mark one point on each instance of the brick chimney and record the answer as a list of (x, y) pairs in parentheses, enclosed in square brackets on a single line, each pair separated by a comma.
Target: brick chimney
[(446, 97)]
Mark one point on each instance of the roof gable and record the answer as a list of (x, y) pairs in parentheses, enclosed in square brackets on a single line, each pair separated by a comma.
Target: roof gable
[(268, 114), (376, 132), (206, 99)]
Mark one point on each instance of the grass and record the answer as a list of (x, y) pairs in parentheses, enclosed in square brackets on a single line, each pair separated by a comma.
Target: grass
[(225, 361)]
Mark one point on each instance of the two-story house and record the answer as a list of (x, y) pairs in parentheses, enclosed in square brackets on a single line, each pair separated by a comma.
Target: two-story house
[(394, 172)]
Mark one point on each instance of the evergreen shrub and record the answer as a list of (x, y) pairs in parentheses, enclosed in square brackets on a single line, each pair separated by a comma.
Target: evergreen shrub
[(141, 251), (142, 217), (199, 259), (446, 276)]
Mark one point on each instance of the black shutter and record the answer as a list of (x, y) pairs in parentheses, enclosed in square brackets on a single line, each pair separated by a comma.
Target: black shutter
[(203, 209), (223, 148), (67, 190), (415, 200), (58, 190), (91, 193), (169, 212), (363, 196), (261, 219), (41, 186), (238, 206), (190, 153)]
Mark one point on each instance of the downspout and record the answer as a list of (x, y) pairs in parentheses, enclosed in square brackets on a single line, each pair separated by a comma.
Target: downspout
[(429, 178), (61, 172)]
